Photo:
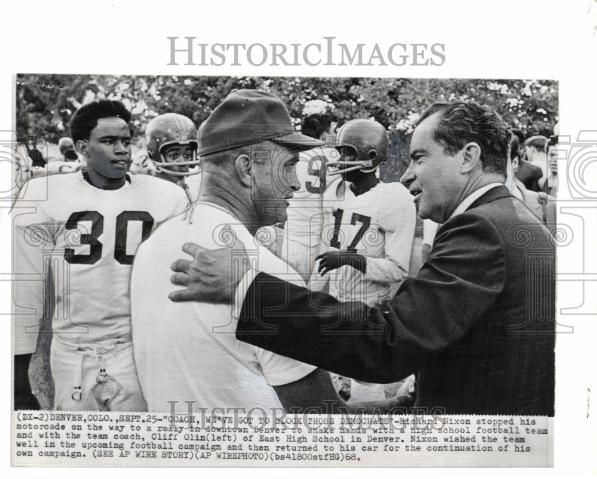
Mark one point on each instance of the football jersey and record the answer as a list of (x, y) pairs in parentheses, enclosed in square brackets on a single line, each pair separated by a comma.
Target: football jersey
[(192, 181), (59, 167), (302, 231), (378, 224), (188, 351), (303, 224), (140, 163), (87, 237)]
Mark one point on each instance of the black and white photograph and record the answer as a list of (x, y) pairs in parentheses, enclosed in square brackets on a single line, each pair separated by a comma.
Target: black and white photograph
[(357, 236), (300, 245)]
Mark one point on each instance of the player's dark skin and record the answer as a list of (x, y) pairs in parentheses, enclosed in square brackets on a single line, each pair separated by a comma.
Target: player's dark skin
[(361, 182)]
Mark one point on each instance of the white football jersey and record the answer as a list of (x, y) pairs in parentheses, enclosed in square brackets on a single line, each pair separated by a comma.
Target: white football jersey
[(87, 237), (378, 224), (193, 181), (60, 167), (302, 231), (141, 164), (303, 223), (188, 351)]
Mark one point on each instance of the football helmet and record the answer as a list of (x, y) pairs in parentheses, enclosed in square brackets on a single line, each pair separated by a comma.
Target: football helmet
[(171, 129), (67, 149), (369, 141)]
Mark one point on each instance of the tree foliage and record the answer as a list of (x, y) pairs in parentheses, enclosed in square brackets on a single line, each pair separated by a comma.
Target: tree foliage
[(45, 103)]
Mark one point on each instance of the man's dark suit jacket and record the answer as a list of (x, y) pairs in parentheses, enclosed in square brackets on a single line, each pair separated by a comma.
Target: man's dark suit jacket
[(530, 175), (476, 324)]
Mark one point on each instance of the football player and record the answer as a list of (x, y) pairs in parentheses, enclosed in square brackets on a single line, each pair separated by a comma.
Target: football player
[(79, 233), (302, 232), (71, 163), (37, 162), (67, 149), (171, 142), (368, 227)]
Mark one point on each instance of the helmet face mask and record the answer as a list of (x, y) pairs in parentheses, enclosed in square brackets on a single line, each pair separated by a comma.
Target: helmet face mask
[(363, 146), (349, 161), (169, 137), (175, 158)]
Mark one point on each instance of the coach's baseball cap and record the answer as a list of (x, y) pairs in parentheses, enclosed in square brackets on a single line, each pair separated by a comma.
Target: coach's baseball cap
[(246, 117)]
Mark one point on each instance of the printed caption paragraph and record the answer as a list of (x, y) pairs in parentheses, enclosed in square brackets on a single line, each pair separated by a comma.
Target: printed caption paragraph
[(253, 438)]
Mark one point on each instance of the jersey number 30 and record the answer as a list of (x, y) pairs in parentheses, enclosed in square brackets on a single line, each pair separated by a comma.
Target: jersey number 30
[(97, 228)]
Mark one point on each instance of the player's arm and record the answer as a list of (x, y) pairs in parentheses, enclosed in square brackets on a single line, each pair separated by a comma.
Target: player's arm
[(33, 232), (399, 225), (318, 281), (315, 394)]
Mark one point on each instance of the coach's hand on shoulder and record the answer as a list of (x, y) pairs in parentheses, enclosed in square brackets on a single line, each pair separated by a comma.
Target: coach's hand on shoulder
[(212, 276), (332, 260)]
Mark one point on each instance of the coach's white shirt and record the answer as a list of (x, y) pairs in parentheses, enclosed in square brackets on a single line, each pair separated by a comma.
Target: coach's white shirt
[(188, 351)]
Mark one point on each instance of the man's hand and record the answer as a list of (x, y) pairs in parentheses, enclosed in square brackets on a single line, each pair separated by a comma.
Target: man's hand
[(335, 259), (212, 276)]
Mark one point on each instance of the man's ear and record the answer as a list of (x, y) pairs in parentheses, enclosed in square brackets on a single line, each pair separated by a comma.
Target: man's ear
[(81, 146), (515, 164), (471, 157), (243, 165)]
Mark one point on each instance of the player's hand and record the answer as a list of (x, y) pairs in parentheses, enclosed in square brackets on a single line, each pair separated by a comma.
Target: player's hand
[(211, 276), (335, 259)]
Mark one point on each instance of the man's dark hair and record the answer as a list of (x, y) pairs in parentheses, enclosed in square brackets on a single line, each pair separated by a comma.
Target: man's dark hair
[(461, 122), (539, 142), (518, 134), (514, 147), (85, 118), (316, 125)]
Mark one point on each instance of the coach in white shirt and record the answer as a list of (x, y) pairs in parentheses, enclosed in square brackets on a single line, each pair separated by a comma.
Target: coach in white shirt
[(187, 353)]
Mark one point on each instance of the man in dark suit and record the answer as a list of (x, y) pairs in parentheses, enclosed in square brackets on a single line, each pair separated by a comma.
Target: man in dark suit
[(477, 322), (533, 171), (526, 172), (529, 175)]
